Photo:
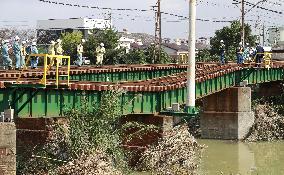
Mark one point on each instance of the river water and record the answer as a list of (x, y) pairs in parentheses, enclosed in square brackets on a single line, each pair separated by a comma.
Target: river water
[(231, 158)]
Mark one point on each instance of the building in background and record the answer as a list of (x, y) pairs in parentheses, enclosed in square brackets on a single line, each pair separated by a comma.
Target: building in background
[(51, 29), (125, 43)]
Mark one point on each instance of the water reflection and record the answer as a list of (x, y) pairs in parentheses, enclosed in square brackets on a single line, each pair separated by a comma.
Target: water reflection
[(227, 157)]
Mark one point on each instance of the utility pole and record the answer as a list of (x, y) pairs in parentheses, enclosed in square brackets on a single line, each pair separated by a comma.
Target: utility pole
[(190, 102), (110, 18), (263, 35), (243, 23), (158, 31)]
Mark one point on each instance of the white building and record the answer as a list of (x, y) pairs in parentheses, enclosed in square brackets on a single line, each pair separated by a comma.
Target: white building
[(273, 36), (54, 27), (126, 43)]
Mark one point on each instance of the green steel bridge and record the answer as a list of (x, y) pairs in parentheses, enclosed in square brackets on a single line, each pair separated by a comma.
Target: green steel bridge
[(148, 89)]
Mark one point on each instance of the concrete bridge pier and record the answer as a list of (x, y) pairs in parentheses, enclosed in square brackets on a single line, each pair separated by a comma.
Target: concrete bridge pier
[(227, 115)]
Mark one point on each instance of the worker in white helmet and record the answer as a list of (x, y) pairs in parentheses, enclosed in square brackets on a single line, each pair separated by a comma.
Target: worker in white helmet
[(58, 49), (51, 48), (23, 53), (34, 60), (222, 52), (51, 51), (100, 51), (239, 53), (7, 62), (80, 50), (17, 52)]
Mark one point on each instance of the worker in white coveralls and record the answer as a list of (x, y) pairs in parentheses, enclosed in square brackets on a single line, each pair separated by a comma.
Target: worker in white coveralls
[(7, 62), (58, 49), (17, 52), (51, 51), (100, 51), (34, 59), (80, 50)]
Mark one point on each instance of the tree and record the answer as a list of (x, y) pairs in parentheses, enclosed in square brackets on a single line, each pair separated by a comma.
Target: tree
[(110, 39), (70, 42), (232, 37), (152, 52), (203, 55), (135, 56)]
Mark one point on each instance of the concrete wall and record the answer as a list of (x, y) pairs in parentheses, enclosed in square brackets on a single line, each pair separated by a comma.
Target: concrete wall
[(227, 114), (7, 149)]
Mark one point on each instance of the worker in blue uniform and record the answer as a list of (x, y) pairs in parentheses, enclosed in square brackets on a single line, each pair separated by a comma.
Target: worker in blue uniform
[(259, 54), (239, 53), (34, 60), (7, 62), (222, 52), (17, 52)]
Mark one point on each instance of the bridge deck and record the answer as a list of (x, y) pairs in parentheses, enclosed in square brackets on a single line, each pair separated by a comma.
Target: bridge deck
[(145, 96)]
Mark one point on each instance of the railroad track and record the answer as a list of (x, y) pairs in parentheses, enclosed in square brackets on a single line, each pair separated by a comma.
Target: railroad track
[(204, 72), (95, 70)]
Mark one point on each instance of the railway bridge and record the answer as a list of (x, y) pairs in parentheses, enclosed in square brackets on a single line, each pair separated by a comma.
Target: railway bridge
[(148, 89)]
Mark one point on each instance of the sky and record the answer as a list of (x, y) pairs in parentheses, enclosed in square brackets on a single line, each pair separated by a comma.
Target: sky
[(25, 13)]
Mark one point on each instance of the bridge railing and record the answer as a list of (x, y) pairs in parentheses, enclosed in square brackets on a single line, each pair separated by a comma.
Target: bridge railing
[(48, 62)]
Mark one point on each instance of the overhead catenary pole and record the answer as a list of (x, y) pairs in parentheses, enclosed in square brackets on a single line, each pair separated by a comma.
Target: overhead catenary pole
[(190, 102), (158, 32), (263, 35), (243, 23)]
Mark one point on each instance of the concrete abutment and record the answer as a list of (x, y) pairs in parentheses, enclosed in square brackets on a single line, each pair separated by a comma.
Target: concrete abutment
[(227, 115)]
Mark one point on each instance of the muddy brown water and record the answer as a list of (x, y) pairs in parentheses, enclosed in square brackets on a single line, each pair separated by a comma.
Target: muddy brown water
[(239, 158), (228, 157)]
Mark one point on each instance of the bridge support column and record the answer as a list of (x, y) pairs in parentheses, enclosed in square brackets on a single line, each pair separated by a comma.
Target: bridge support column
[(227, 114), (7, 148)]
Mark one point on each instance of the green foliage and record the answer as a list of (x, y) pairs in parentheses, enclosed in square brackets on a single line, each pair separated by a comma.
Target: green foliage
[(232, 37), (134, 57), (152, 55), (114, 54), (88, 128), (110, 39), (70, 42), (203, 55)]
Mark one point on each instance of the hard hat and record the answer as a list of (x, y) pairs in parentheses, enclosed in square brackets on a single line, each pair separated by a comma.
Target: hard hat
[(52, 42), (34, 43), (24, 42), (102, 44), (58, 40), (17, 38), (247, 44), (83, 40), (240, 43), (222, 41)]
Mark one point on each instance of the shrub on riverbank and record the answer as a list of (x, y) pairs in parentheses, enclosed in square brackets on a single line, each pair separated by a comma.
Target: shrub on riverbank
[(268, 126), (175, 153)]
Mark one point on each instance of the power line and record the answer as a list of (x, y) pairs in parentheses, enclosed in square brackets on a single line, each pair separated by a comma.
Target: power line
[(130, 9), (259, 7)]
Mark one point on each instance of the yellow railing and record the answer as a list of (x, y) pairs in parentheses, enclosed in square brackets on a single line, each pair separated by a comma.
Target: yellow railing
[(47, 64), (267, 58)]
